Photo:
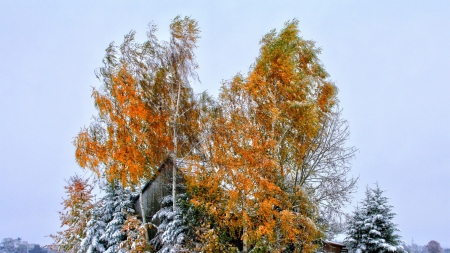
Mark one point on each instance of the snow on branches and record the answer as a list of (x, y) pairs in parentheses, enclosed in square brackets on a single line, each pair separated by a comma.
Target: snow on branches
[(371, 229)]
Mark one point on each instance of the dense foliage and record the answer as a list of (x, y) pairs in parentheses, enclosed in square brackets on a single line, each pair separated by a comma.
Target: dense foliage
[(265, 164), (104, 231)]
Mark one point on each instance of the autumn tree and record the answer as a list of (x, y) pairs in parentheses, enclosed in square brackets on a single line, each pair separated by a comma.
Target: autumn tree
[(77, 210), (297, 107), (325, 171), (147, 109), (136, 236), (265, 126), (263, 162), (144, 105)]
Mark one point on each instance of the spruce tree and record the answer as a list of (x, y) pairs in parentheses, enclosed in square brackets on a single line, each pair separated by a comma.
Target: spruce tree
[(371, 229), (173, 230), (104, 231), (118, 206), (95, 228)]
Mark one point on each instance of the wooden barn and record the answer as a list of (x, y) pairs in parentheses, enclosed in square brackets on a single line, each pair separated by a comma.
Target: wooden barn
[(154, 190), (333, 247)]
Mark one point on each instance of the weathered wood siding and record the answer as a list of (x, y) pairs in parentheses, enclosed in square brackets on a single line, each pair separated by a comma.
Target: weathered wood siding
[(154, 191)]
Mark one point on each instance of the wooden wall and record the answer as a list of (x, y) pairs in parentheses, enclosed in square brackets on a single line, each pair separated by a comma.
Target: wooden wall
[(154, 191)]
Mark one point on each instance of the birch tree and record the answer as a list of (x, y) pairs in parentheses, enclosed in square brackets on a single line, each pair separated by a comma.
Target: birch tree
[(239, 183), (276, 146), (297, 106), (261, 160), (147, 110)]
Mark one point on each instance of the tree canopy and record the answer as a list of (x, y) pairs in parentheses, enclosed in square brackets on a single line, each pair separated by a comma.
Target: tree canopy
[(145, 106), (263, 163)]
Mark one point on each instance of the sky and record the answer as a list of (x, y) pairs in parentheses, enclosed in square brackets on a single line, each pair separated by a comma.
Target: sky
[(389, 59)]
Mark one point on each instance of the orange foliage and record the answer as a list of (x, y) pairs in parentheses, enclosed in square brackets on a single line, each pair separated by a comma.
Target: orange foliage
[(75, 216), (241, 186), (136, 241), (245, 152), (146, 107), (262, 128), (129, 137)]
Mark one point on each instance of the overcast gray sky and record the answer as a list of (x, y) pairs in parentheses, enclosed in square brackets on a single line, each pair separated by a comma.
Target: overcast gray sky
[(390, 61)]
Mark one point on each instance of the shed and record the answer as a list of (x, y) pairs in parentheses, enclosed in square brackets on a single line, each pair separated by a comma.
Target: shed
[(156, 189), (334, 247)]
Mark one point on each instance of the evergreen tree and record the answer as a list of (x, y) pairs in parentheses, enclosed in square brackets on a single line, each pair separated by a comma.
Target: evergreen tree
[(104, 231), (119, 205), (371, 229), (172, 231), (94, 231)]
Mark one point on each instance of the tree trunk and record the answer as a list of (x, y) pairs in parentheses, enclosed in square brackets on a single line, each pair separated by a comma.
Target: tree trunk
[(174, 184), (245, 228), (244, 237), (175, 150), (144, 219)]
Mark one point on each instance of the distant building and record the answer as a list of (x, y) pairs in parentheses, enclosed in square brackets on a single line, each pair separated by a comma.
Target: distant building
[(333, 247)]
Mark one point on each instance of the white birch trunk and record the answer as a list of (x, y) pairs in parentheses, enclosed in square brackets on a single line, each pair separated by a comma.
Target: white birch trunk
[(245, 244), (175, 151), (144, 219)]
